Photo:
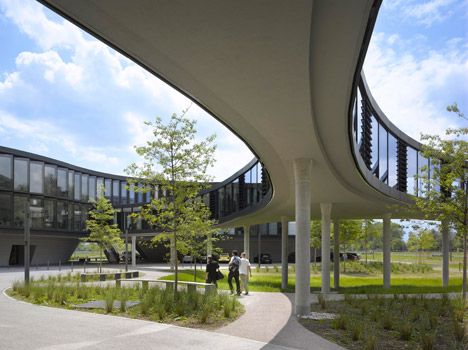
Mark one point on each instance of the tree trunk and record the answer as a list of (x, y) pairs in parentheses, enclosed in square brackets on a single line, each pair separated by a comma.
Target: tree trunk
[(195, 269), (176, 266), (464, 263), (100, 260)]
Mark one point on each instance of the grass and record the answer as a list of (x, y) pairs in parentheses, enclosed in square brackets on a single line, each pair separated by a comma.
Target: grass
[(354, 283), (390, 323), (192, 309)]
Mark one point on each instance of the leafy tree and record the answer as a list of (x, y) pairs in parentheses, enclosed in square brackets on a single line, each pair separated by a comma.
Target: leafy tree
[(421, 241), (369, 234), (100, 228), (445, 183), (349, 231), (174, 168), (315, 237)]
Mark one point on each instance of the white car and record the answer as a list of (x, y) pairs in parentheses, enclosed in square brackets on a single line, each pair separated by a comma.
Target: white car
[(187, 259)]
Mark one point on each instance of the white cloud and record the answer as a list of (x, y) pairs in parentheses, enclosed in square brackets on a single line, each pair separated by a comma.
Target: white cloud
[(11, 79), (429, 12), (413, 91)]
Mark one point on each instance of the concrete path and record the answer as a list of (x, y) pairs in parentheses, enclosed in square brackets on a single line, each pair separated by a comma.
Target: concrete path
[(267, 324)]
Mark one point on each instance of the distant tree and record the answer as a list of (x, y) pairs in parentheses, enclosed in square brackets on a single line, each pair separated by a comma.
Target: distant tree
[(369, 233), (350, 231), (174, 166), (100, 228), (315, 237), (445, 183), (421, 241)]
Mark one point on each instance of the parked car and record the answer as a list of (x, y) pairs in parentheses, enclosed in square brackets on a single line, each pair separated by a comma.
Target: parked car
[(187, 259), (352, 256), (224, 258), (265, 258)]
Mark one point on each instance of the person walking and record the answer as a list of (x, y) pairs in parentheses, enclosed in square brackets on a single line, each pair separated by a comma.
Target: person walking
[(212, 268), (245, 272), (234, 264)]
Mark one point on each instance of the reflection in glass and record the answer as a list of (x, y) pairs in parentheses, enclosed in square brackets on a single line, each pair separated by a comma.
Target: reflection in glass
[(221, 201), (84, 188), (108, 189), (6, 172), (5, 210), (37, 213), (140, 193), (77, 223), (99, 187), (21, 175), (115, 192), (359, 117), (62, 215), (123, 192), (50, 180), (62, 182), (49, 213), (71, 184), (423, 174), (19, 205), (374, 145), (92, 188), (392, 161), (383, 159), (77, 196), (412, 182), (36, 177), (131, 194)]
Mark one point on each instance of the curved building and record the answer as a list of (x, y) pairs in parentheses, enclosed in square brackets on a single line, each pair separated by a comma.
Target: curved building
[(285, 76)]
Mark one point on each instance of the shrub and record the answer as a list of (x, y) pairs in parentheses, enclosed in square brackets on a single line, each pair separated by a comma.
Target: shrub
[(406, 330), (109, 301), (459, 331), (341, 322), (356, 331), (370, 343), (387, 322), (427, 341)]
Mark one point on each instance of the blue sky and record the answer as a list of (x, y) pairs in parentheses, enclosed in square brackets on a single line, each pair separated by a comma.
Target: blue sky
[(65, 95)]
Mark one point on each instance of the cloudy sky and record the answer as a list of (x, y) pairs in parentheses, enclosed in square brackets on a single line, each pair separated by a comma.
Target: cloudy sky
[(65, 95)]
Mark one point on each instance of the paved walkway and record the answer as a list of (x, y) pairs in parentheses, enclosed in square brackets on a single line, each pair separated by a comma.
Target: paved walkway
[(267, 324)]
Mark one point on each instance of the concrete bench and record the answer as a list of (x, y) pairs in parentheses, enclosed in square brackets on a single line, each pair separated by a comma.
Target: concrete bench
[(191, 286), (114, 275)]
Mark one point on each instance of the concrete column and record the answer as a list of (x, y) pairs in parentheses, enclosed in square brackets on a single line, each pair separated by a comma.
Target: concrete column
[(445, 252), (284, 252), (302, 176), (209, 244), (387, 247), (336, 254), (326, 225), (247, 241), (133, 251)]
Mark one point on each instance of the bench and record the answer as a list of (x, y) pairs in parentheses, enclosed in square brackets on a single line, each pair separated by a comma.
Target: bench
[(114, 275), (191, 286)]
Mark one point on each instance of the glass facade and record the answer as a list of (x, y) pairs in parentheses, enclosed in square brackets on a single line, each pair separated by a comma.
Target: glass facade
[(123, 193), (62, 183), (92, 188), (108, 189), (6, 172), (99, 187), (62, 215), (50, 180), (21, 175), (383, 152), (115, 192), (77, 195), (5, 210), (36, 177), (392, 161), (84, 188), (71, 184)]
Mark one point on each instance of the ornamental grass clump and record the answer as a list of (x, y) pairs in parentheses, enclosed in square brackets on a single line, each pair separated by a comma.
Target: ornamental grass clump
[(387, 322), (427, 341), (124, 294), (109, 301), (459, 331), (406, 330), (341, 322), (356, 331), (370, 343)]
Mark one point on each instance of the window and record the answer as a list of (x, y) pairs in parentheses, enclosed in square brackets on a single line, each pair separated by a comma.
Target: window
[(49, 213), (77, 195), (392, 161), (5, 210), (99, 187), (50, 180), (423, 174), (412, 183), (71, 184), (62, 184), (221, 206), (77, 223), (140, 193), (131, 194), (123, 192), (359, 116), (21, 175), (36, 177), (92, 188), (383, 158), (108, 189), (84, 188), (115, 192), (6, 172), (37, 212), (62, 215), (374, 145), (19, 205)]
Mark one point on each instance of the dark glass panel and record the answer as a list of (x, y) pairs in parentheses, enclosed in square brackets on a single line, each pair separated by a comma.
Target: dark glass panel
[(221, 202), (77, 195), (412, 182), (123, 192), (131, 194), (115, 192), (71, 184), (359, 116), (140, 193), (21, 175), (6, 172), (392, 160), (99, 187), (62, 184), (108, 189), (84, 188), (77, 222), (62, 215), (50, 180), (383, 155), (235, 195), (19, 205), (228, 199), (92, 188), (70, 217), (5, 210), (49, 213), (37, 213), (36, 177), (423, 173)]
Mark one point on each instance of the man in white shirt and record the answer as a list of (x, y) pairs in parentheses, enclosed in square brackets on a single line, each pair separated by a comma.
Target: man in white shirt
[(245, 272)]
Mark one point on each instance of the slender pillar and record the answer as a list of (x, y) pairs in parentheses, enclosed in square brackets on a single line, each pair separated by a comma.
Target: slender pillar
[(445, 252), (387, 246), (247, 241), (336, 254), (326, 224), (284, 252), (133, 251), (209, 244), (302, 175)]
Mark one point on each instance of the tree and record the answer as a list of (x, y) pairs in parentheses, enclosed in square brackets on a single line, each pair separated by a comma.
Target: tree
[(369, 233), (349, 231), (315, 237), (100, 228), (445, 182), (421, 241), (174, 169)]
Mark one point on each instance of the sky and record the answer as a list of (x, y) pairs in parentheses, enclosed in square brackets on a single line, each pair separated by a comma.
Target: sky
[(65, 95)]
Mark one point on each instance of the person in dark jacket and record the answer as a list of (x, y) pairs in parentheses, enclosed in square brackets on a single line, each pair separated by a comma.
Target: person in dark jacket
[(212, 268)]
